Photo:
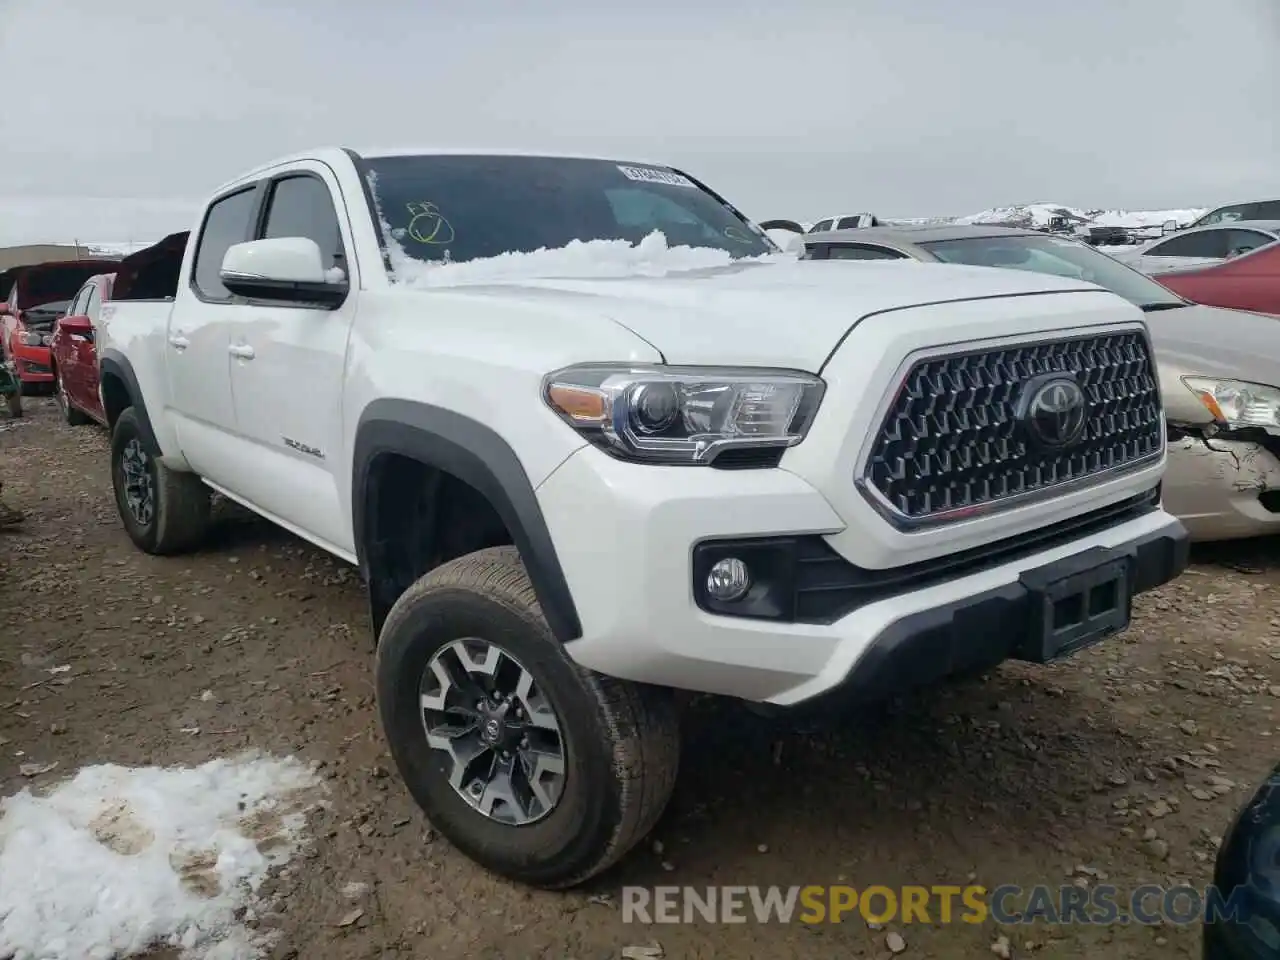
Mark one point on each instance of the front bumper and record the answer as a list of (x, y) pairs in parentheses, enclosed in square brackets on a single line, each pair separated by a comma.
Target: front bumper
[(32, 364), (626, 535), (1223, 489)]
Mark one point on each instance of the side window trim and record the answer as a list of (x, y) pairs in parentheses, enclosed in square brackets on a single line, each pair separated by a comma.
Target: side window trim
[(253, 186), (258, 228)]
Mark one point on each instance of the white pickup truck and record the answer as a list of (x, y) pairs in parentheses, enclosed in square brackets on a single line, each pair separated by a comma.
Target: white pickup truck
[(592, 440)]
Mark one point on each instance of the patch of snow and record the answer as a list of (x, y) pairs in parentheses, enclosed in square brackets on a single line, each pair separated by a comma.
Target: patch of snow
[(118, 860), (579, 260)]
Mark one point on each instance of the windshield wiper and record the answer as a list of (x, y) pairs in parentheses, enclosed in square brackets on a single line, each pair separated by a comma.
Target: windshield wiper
[(1162, 305)]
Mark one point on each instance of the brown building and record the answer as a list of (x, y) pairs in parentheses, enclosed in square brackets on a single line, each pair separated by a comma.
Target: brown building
[(42, 253)]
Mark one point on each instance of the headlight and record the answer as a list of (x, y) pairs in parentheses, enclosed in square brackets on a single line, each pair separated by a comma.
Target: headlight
[(1236, 402), (683, 415), (29, 338)]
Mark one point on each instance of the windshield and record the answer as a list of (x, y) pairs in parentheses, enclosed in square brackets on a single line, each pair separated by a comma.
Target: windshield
[(1062, 258), (459, 208)]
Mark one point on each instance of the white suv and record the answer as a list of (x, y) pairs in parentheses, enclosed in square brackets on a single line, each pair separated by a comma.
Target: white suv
[(591, 440)]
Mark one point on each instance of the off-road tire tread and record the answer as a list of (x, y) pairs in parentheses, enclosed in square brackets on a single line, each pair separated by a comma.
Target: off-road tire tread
[(642, 720), (183, 502)]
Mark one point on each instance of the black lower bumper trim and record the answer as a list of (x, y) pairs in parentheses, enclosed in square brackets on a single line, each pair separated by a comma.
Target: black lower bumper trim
[(986, 629)]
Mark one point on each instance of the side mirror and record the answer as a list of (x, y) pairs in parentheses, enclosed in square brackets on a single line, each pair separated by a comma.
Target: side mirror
[(1168, 227), (283, 268), (77, 326)]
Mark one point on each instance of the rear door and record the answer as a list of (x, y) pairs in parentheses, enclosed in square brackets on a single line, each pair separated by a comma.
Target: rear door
[(199, 339)]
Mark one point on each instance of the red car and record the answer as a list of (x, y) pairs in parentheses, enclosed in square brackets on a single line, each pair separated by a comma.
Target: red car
[(145, 275), (1250, 281), (75, 356), (36, 297)]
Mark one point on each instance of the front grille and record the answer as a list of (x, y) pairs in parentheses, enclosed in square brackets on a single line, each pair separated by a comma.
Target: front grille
[(951, 440)]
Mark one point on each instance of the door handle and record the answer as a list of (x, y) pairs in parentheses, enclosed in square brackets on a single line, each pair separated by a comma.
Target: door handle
[(241, 351), (179, 342)]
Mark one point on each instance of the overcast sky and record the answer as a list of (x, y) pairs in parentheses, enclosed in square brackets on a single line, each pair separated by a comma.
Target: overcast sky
[(120, 116)]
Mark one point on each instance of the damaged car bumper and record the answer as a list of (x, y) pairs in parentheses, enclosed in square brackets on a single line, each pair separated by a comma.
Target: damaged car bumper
[(1221, 485)]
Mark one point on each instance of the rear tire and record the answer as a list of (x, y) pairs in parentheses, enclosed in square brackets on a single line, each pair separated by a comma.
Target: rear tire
[(474, 620), (163, 511), (73, 416)]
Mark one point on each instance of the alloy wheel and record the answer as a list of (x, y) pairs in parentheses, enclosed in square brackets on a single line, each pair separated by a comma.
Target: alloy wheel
[(139, 483), (483, 710)]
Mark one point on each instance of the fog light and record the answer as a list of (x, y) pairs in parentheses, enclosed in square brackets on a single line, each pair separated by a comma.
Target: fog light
[(728, 580)]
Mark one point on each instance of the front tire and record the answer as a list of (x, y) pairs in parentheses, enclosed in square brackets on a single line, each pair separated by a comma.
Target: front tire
[(72, 415), (163, 511), (533, 767)]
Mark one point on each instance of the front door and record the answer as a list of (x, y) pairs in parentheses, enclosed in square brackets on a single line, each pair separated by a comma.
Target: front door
[(84, 383), (198, 341), (287, 372)]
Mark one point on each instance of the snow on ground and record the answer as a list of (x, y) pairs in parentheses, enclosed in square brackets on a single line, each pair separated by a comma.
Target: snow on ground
[(120, 859), (596, 259)]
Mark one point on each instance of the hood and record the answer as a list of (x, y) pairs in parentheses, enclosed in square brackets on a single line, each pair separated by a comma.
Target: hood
[(1200, 341), (790, 314)]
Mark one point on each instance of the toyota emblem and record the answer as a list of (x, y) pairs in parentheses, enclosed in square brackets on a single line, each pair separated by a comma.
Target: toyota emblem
[(1054, 411)]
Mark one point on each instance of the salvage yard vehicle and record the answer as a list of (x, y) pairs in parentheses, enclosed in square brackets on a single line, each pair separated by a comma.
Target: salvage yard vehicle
[(1250, 281), (592, 440), (1203, 246), (1219, 369), (73, 350), (36, 297), (72, 356), (1235, 212)]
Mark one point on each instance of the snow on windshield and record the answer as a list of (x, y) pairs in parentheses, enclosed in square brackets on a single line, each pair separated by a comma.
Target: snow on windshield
[(117, 859), (594, 259)]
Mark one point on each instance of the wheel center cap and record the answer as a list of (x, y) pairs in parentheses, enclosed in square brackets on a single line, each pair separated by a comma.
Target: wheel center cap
[(491, 730)]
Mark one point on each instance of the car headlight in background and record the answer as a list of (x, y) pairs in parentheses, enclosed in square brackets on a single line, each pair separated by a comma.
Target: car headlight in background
[(30, 338), (683, 415), (1237, 402)]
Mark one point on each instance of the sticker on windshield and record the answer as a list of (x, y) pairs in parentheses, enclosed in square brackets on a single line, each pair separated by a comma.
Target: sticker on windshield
[(653, 175)]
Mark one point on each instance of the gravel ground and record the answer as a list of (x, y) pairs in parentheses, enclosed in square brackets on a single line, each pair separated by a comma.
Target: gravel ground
[(1127, 761)]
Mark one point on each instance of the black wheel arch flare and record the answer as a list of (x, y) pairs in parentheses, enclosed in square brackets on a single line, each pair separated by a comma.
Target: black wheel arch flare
[(112, 363), (475, 454)]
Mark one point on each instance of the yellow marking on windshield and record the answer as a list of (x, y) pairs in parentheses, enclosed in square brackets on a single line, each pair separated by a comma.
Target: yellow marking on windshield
[(427, 224)]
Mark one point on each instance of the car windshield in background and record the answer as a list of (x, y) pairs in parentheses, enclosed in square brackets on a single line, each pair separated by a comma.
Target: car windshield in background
[(459, 208), (1062, 258)]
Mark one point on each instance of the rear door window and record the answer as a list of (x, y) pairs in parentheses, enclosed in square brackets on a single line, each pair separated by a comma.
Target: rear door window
[(1242, 241)]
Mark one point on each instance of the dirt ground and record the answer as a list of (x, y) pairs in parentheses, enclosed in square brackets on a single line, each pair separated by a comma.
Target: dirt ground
[(1128, 760)]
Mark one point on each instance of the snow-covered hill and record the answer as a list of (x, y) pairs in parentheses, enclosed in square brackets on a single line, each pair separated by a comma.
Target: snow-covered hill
[(1039, 214)]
